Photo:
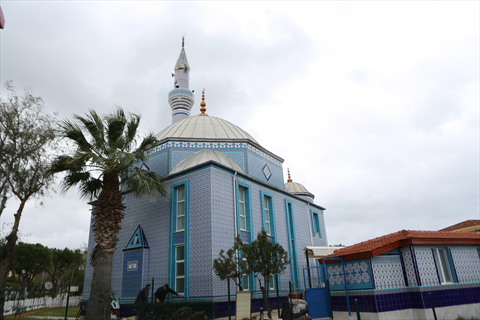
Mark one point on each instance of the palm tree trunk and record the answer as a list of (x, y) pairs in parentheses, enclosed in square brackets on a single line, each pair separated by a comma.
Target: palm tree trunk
[(102, 274), (108, 214)]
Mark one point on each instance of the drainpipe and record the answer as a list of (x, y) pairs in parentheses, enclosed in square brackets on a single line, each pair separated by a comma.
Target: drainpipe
[(235, 232), (309, 224)]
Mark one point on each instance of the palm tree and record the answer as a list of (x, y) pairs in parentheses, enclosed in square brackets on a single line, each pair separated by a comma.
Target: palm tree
[(106, 156)]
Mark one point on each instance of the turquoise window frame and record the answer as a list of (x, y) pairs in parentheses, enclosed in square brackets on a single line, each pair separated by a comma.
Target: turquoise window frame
[(292, 250), (273, 225), (249, 223), (316, 227), (271, 209), (248, 208), (186, 231)]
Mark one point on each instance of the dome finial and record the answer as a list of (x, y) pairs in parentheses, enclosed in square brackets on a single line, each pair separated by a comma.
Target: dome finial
[(289, 179), (203, 105)]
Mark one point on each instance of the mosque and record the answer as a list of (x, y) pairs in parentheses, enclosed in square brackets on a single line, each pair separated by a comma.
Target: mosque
[(222, 182)]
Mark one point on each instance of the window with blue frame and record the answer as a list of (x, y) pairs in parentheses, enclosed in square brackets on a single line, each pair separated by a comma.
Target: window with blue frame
[(243, 208), (315, 223), (444, 265), (180, 269), (268, 214), (180, 207), (179, 238)]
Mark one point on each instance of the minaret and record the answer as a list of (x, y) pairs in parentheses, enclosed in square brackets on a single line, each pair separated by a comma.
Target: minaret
[(181, 98)]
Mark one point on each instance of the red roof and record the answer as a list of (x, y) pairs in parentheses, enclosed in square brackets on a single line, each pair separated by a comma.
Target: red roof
[(462, 225), (377, 246)]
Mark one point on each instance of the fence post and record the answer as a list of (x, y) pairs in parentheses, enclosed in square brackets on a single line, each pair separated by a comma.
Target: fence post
[(433, 307), (68, 298), (278, 294), (261, 314), (356, 308), (329, 298), (229, 308), (19, 293), (291, 299), (153, 286)]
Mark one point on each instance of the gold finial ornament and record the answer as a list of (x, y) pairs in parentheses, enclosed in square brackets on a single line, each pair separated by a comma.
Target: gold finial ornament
[(289, 179), (203, 105)]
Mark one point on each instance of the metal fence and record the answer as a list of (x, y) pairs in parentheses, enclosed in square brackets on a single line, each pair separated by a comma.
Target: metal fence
[(61, 302), (67, 303)]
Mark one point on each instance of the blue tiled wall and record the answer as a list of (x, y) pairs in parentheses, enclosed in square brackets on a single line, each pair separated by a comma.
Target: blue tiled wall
[(407, 298), (211, 214)]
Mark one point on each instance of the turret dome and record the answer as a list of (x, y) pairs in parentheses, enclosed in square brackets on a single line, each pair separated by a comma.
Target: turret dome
[(298, 189), (205, 156)]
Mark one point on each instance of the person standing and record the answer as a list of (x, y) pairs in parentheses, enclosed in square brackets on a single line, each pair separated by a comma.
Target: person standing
[(141, 302), (162, 292)]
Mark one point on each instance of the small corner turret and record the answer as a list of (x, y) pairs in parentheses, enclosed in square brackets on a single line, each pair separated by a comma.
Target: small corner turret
[(181, 98)]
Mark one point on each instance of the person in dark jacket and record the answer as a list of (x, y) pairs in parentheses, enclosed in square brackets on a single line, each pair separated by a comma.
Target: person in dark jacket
[(141, 302), (162, 292)]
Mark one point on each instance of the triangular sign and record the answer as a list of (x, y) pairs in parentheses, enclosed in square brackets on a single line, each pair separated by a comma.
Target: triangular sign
[(138, 240)]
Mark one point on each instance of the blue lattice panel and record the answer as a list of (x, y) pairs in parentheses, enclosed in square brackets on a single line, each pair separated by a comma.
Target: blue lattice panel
[(426, 266), (467, 264), (387, 272), (357, 273), (178, 238), (409, 267)]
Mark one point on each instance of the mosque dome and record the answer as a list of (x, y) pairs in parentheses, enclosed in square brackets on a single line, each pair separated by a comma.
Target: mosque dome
[(297, 189), (208, 128), (205, 156)]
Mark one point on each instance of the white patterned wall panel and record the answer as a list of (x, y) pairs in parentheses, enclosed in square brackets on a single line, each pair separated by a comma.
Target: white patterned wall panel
[(426, 266), (467, 264), (409, 267), (387, 272)]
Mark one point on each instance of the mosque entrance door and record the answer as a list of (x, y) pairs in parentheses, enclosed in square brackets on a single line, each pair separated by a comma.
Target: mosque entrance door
[(316, 293)]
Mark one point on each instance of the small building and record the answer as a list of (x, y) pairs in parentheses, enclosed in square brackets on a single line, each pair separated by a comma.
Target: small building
[(394, 276), (464, 226)]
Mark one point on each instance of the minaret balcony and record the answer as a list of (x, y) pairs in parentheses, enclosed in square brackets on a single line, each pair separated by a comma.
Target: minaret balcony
[(179, 91)]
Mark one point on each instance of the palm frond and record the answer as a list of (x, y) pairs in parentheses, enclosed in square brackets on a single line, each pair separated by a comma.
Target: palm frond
[(131, 133), (94, 126), (116, 123), (145, 182), (73, 132), (90, 189), (148, 143)]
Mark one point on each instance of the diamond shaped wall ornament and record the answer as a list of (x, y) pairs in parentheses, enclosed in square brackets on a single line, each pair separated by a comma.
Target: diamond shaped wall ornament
[(266, 172)]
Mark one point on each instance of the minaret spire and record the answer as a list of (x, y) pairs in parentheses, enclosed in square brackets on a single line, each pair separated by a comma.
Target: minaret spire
[(181, 98), (203, 105)]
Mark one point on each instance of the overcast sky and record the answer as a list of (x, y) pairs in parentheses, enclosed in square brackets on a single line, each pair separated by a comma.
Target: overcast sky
[(373, 105)]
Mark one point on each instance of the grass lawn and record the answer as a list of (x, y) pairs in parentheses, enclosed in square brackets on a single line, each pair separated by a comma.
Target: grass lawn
[(50, 312)]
